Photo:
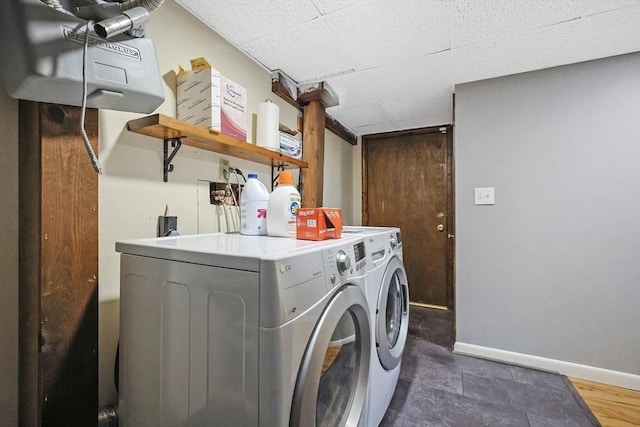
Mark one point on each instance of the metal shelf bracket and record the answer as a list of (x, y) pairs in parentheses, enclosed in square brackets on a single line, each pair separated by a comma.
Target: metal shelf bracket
[(168, 158), (275, 172)]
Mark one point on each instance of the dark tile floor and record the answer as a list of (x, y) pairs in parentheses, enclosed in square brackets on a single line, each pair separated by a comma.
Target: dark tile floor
[(438, 388)]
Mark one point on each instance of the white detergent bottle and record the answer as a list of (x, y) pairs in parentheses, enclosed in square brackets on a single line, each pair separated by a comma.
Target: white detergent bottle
[(283, 204), (253, 207)]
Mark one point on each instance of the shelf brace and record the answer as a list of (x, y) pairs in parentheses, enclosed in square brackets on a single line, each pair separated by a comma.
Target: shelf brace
[(275, 173), (167, 158)]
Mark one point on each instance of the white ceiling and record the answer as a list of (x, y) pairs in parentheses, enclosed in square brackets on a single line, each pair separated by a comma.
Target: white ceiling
[(394, 63)]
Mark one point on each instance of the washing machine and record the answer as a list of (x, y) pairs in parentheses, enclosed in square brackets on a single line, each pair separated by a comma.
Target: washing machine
[(232, 330), (388, 298)]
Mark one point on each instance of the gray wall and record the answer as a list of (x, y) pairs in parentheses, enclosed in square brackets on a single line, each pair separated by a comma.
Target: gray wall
[(553, 268), (8, 260)]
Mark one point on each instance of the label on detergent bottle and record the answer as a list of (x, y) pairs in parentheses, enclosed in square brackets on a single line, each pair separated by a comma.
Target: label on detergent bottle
[(294, 204), (254, 217)]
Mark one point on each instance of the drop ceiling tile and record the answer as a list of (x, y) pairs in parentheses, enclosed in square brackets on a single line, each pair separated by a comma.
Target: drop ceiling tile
[(242, 21), (382, 127), (434, 108), (328, 6), (598, 36), (393, 63), (599, 6), (378, 32), (483, 20), (529, 51), (308, 52), (360, 116), (410, 80), (352, 90), (423, 122)]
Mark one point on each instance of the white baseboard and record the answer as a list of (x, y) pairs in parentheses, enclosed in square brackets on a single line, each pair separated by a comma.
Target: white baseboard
[(585, 372)]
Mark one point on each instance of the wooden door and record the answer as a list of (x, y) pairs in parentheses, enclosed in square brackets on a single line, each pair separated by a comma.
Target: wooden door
[(408, 183)]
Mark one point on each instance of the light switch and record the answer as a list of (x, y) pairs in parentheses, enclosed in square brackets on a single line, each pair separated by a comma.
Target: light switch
[(485, 196)]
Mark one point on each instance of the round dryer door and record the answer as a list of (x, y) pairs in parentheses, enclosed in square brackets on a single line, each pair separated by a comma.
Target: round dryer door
[(334, 375), (392, 316)]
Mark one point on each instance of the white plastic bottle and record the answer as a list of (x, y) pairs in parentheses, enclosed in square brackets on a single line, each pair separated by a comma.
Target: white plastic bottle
[(253, 207), (283, 204)]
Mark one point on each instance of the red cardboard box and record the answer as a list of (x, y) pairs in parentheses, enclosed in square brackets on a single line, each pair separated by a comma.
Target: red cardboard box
[(318, 223)]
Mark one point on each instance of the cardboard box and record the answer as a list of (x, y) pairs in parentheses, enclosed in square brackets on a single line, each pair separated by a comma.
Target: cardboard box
[(318, 223), (198, 95), (208, 99), (234, 109), (290, 145)]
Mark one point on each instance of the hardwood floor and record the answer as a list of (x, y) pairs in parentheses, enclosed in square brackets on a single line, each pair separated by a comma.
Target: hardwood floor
[(612, 406)]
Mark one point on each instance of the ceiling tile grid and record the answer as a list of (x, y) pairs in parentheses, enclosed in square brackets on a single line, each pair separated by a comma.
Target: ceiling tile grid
[(375, 33), (394, 63), (410, 79), (503, 57), (360, 116), (614, 32), (485, 20), (328, 6), (381, 127), (436, 106), (353, 90), (599, 6), (241, 22), (304, 52)]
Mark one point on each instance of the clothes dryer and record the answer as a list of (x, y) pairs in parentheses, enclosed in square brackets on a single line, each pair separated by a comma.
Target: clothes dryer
[(232, 330), (388, 298)]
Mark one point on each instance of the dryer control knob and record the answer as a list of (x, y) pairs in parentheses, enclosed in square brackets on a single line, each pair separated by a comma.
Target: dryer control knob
[(393, 242), (344, 262)]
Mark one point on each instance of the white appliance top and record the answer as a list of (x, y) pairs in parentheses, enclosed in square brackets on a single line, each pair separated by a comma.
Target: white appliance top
[(230, 250), (365, 230)]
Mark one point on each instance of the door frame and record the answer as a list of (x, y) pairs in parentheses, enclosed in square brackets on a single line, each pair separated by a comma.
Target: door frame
[(449, 189)]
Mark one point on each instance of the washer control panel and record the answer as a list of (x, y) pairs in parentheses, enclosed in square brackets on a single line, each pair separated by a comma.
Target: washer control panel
[(360, 256), (343, 262)]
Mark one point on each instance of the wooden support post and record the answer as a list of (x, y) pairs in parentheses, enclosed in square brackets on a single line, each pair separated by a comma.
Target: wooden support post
[(313, 154), (281, 86), (58, 336)]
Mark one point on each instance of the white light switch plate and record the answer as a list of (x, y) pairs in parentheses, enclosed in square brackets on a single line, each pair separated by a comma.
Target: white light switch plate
[(485, 196)]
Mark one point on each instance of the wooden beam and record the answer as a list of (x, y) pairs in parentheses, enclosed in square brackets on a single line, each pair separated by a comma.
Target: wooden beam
[(29, 161), (305, 98), (279, 89), (336, 127), (58, 267), (320, 91), (313, 154)]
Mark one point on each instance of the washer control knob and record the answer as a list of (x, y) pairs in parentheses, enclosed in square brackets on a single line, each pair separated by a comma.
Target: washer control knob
[(393, 242), (344, 262), (333, 279)]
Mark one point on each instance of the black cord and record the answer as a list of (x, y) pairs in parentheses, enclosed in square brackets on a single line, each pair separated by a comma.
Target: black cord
[(238, 172), (116, 369)]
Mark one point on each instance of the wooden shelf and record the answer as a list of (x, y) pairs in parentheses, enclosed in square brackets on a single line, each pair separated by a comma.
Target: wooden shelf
[(168, 128)]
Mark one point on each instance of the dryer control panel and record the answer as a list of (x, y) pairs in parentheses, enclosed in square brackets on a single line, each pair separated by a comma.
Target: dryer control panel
[(382, 246), (290, 286), (344, 262)]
